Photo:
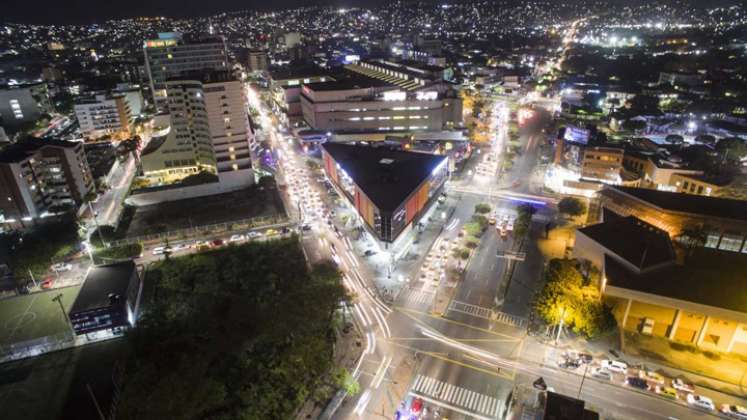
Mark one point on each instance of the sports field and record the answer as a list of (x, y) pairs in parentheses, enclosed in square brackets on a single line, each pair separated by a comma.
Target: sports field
[(30, 317)]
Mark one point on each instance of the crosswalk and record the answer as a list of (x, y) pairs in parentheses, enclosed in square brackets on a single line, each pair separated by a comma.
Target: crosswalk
[(421, 297), (456, 396), (470, 309), (487, 313)]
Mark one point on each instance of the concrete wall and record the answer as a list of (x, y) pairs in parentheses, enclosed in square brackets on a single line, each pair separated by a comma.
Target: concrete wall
[(230, 181)]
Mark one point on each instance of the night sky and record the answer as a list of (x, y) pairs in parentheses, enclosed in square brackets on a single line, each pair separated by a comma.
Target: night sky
[(87, 11)]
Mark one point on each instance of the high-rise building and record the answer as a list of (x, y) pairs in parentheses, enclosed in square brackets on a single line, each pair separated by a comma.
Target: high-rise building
[(258, 60), (21, 104), (102, 114), (37, 177), (209, 132), (170, 55)]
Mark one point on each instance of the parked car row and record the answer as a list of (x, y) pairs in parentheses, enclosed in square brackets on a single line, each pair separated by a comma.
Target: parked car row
[(675, 389), (217, 243)]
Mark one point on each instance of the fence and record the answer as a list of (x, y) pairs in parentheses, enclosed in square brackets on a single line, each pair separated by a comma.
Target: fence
[(180, 234), (37, 346)]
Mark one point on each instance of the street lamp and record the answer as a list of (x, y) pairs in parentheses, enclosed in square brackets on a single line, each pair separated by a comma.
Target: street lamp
[(560, 325)]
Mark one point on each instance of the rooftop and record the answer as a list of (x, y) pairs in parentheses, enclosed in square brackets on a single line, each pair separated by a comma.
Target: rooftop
[(633, 240), (101, 282), (685, 203), (387, 177), (21, 150), (708, 277), (347, 81)]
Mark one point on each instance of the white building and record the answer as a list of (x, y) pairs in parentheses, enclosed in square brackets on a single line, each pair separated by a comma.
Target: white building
[(23, 103), (209, 132), (102, 114)]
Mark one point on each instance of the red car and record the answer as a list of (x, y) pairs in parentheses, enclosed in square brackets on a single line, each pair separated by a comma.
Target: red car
[(216, 243), (47, 283), (417, 406)]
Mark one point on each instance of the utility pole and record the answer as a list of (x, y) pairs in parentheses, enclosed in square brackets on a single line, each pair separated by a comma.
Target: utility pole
[(33, 280), (96, 222), (583, 378), (58, 299), (560, 327)]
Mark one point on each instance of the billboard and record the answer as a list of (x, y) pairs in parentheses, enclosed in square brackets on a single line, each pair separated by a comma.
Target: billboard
[(576, 135)]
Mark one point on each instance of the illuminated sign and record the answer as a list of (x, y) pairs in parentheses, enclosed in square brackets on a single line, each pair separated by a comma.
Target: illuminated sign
[(395, 96), (426, 96), (352, 58), (576, 135), (160, 43)]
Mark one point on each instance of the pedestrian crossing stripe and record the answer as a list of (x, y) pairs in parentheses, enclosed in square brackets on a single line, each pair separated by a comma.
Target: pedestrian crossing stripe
[(487, 313), (457, 396), (418, 296)]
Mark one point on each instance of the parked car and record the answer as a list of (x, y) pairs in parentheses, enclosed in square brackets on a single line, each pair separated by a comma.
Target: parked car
[(254, 234), (600, 373), (47, 283), (615, 366), (652, 377), (159, 250), (636, 382), (271, 232), (215, 243), (681, 385), (62, 266), (734, 411), (701, 402), (569, 364), (237, 237), (417, 406), (306, 227), (666, 391)]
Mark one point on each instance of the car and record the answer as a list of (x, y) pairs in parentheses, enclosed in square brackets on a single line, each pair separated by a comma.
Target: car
[(62, 266), (491, 220), (701, 402), (417, 406), (600, 373), (652, 377), (47, 283), (569, 364), (585, 358), (254, 234), (237, 237), (734, 411), (286, 230), (369, 252), (615, 366), (502, 231), (159, 250), (636, 382), (681, 385), (666, 391), (215, 243), (306, 227), (179, 247), (271, 232)]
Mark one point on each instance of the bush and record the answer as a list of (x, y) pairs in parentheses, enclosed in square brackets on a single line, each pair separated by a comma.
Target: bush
[(464, 254), (473, 229), (472, 243), (482, 208), (115, 253), (481, 221), (681, 346), (571, 206)]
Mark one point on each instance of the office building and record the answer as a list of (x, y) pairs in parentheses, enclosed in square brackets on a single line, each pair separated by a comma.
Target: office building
[(602, 164), (170, 55), (390, 189), (723, 220), (207, 130), (693, 299), (108, 301), (286, 84), (258, 60), (104, 115), (41, 177), (22, 104)]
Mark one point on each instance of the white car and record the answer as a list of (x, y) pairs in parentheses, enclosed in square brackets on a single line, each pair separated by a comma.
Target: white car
[(159, 250), (179, 247), (62, 267), (681, 385), (615, 366), (254, 234), (734, 411), (237, 237), (701, 402), (651, 377), (600, 373)]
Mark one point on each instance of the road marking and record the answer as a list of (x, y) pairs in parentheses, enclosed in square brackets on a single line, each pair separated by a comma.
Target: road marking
[(469, 309), (457, 398), (408, 312), (418, 296)]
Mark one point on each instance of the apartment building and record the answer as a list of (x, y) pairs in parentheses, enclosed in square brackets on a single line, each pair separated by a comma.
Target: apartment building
[(655, 171), (104, 115), (258, 60), (603, 164), (40, 177), (207, 131), (170, 55)]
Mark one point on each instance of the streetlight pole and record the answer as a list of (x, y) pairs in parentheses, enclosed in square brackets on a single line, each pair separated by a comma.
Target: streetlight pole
[(58, 299), (560, 327), (583, 378)]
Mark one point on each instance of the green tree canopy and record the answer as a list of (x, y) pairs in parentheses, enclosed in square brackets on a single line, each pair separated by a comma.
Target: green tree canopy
[(571, 206)]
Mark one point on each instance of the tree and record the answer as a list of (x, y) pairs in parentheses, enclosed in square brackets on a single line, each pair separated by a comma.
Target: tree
[(633, 125), (571, 206), (693, 236), (644, 105), (482, 208), (523, 220), (732, 148)]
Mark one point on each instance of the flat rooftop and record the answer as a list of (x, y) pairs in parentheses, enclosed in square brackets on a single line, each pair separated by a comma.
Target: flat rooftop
[(348, 80), (685, 203), (19, 151), (708, 277), (387, 177), (102, 281), (633, 240)]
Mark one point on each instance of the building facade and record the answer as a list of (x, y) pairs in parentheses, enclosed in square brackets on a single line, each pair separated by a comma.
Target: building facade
[(23, 104), (38, 177), (207, 131), (258, 60), (602, 164), (104, 115), (170, 55)]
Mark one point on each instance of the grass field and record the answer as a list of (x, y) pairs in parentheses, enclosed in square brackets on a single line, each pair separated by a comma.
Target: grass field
[(33, 316)]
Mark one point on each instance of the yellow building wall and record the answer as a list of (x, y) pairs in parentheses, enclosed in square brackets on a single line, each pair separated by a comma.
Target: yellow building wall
[(663, 317), (718, 334)]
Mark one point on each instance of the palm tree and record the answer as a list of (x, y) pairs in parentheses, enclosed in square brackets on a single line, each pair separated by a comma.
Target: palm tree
[(693, 236)]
